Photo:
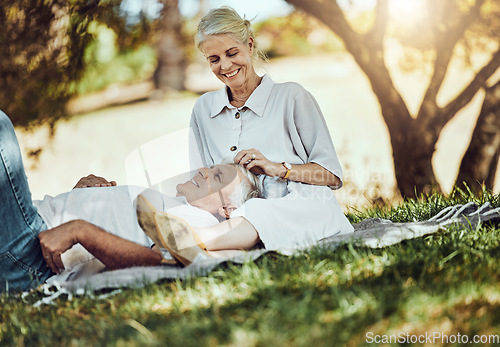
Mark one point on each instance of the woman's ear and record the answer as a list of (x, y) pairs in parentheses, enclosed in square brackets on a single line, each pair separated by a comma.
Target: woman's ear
[(250, 45), (225, 211)]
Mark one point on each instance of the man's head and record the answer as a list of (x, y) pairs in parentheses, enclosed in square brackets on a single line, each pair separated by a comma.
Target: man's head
[(220, 189)]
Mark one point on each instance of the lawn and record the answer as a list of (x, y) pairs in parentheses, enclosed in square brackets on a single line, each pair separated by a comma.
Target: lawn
[(443, 286)]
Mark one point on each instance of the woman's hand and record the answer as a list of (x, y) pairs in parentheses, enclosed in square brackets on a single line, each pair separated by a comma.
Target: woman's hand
[(310, 173), (258, 164), (94, 181)]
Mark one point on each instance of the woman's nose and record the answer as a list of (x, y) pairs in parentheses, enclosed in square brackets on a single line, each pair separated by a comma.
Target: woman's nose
[(225, 64)]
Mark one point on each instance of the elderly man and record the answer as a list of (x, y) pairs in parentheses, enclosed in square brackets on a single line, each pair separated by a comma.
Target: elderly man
[(34, 236)]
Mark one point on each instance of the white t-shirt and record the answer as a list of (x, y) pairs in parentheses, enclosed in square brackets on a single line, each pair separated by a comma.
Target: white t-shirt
[(284, 122), (112, 209)]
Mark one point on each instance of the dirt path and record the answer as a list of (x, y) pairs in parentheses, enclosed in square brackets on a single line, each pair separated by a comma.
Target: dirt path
[(100, 142)]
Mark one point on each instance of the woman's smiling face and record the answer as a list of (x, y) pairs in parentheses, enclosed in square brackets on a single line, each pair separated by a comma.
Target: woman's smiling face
[(230, 60)]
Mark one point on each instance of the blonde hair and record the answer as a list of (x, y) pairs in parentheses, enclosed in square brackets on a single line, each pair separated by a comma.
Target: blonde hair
[(226, 21)]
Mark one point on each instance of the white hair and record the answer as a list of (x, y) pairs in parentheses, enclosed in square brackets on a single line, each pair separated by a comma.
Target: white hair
[(247, 189)]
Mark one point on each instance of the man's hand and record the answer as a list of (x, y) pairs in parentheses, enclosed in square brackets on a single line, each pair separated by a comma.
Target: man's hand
[(94, 181), (56, 241), (113, 251)]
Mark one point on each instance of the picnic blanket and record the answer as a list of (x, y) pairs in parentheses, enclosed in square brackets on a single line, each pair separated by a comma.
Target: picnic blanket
[(373, 232)]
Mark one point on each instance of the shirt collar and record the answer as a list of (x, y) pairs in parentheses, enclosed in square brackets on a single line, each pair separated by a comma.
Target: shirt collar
[(256, 102)]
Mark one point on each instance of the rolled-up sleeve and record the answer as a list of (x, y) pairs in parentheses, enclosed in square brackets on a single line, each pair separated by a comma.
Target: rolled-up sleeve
[(310, 135)]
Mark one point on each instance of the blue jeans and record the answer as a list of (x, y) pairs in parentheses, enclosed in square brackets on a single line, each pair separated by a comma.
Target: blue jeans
[(21, 261)]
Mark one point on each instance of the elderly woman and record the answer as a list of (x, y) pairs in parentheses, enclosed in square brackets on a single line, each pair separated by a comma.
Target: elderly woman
[(274, 130)]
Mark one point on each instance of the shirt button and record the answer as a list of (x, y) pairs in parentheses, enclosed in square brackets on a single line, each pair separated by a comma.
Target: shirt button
[(237, 115), (234, 148)]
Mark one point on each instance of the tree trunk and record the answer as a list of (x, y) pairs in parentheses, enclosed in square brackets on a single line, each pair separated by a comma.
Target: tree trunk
[(412, 151), (480, 162), (412, 144), (413, 139), (412, 148), (171, 68)]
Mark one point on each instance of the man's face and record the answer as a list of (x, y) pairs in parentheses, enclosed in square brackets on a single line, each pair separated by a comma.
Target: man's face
[(211, 188)]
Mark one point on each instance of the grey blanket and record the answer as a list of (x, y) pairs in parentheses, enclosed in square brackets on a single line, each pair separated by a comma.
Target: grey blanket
[(374, 233)]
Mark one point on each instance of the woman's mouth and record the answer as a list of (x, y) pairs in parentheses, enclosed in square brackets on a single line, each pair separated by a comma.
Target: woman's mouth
[(232, 74)]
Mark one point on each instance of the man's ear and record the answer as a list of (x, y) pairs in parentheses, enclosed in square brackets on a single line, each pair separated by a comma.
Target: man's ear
[(225, 211)]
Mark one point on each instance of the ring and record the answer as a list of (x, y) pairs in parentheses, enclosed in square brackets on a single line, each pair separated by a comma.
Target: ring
[(253, 156)]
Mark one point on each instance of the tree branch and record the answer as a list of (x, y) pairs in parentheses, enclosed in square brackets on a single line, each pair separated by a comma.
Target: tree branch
[(443, 58), (330, 13), (381, 19), (467, 19), (468, 93), (369, 55), (444, 43)]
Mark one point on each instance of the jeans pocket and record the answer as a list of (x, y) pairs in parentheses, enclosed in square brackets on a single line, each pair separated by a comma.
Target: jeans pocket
[(16, 275)]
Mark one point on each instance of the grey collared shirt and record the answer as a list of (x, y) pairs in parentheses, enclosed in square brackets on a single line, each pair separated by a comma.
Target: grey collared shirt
[(284, 122)]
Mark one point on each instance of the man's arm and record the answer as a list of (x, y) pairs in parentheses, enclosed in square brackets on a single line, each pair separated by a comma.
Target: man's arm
[(113, 251)]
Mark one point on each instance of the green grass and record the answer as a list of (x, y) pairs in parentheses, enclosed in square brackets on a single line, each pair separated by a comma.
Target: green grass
[(446, 283)]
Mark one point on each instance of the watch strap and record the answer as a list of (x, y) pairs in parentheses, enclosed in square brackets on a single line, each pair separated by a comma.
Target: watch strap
[(288, 170)]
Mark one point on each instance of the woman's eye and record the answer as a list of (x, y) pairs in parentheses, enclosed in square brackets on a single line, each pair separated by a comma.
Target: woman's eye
[(214, 61), (232, 54)]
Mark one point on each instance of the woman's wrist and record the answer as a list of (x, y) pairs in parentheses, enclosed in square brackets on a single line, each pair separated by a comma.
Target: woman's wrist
[(280, 170)]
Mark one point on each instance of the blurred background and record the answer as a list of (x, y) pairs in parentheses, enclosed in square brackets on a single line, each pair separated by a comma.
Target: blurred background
[(409, 88)]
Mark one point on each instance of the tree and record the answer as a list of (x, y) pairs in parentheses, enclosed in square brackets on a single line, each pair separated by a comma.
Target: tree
[(42, 50), (413, 138), (171, 68), (479, 164)]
